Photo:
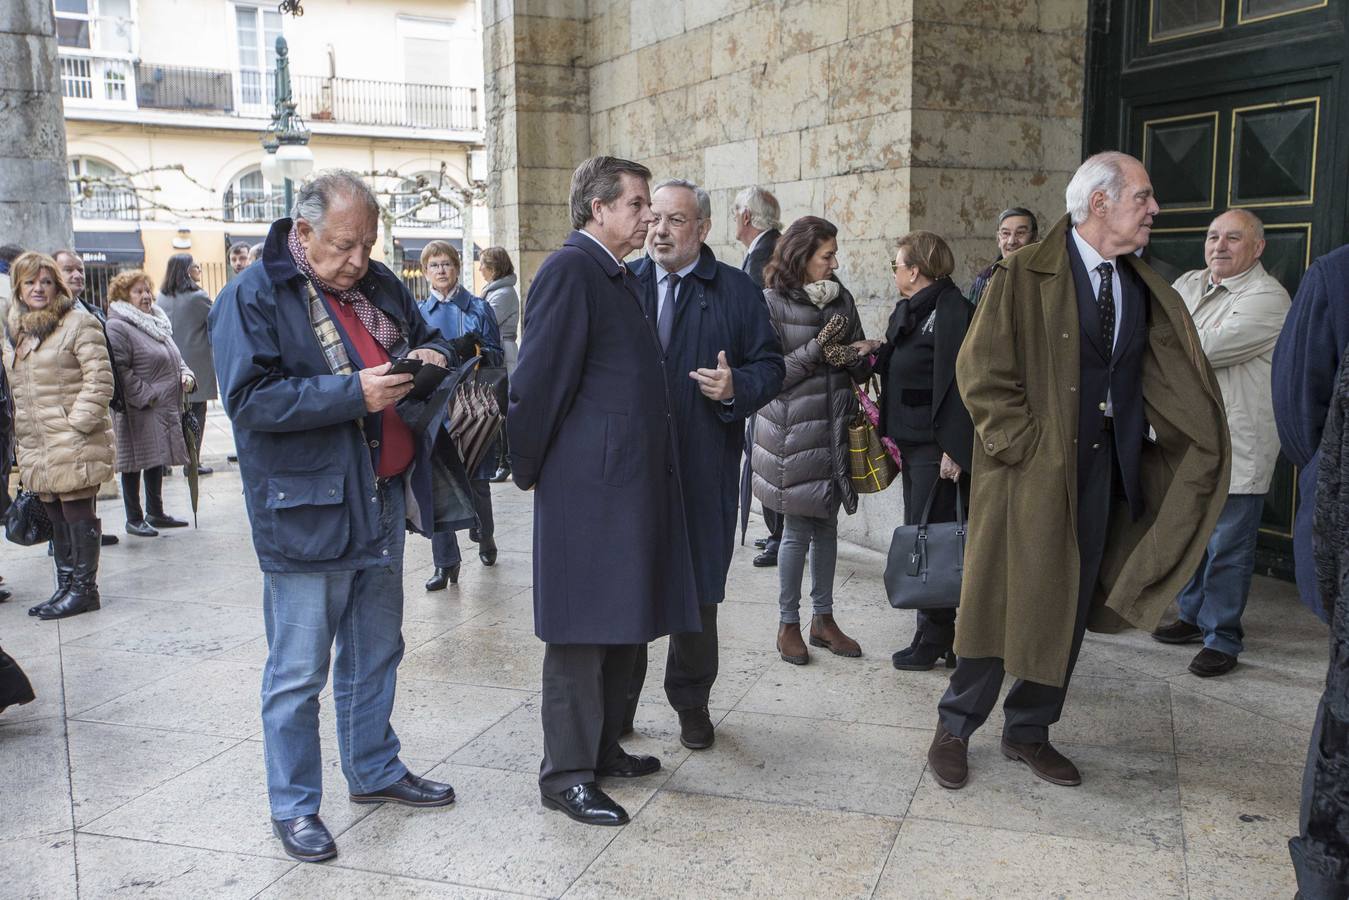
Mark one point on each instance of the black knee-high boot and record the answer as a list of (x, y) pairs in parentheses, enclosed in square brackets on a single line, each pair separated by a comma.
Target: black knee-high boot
[(86, 539), (63, 556)]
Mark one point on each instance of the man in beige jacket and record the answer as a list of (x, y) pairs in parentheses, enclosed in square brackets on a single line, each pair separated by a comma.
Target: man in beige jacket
[(1238, 309)]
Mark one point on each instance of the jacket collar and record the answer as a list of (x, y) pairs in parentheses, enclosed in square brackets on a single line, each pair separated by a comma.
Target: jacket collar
[(1238, 283), (460, 297), (1050, 255), (595, 250), (705, 268), (276, 258)]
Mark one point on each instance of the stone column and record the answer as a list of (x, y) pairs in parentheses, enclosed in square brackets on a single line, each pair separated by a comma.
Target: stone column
[(34, 201), (538, 130)]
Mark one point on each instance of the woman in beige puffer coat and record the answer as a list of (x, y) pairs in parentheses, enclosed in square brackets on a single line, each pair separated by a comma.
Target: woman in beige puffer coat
[(800, 455), (56, 359)]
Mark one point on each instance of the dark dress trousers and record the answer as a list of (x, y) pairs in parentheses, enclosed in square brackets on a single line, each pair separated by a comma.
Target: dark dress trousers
[(921, 411), (753, 266), (591, 431), (718, 309), (1108, 451)]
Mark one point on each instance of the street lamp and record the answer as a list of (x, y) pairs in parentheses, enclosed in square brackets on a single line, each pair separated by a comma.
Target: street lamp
[(286, 140)]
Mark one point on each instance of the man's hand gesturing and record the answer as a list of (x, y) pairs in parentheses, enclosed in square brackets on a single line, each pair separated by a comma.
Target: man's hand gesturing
[(716, 384), (383, 390)]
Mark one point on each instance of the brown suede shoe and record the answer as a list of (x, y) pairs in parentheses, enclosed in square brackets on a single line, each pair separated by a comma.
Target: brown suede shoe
[(790, 646), (948, 758), (824, 632), (1044, 761)]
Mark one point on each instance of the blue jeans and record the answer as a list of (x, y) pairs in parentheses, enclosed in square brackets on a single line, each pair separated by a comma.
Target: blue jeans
[(1216, 596), (305, 612)]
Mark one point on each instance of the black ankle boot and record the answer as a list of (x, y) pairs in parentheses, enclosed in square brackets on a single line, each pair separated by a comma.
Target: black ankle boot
[(63, 556), (922, 656), (86, 539)]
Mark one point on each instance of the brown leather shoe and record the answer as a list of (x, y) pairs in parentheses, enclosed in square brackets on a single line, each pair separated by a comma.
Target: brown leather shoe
[(948, 758), (1044, 761), (824, 632), (790, 646)]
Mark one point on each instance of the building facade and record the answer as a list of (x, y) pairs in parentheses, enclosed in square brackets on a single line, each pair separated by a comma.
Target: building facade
[(166, 101)]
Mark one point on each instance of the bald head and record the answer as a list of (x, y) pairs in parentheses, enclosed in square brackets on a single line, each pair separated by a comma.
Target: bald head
[(1233, 244)]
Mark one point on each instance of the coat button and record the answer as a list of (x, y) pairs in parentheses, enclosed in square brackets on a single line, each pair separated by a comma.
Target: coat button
[(385, 552), (281, 495), (1101, 406), (1072, 390), (332, 492), (374, 499), (989, 445), (1096, 446), (374, 444), (1065, 335)]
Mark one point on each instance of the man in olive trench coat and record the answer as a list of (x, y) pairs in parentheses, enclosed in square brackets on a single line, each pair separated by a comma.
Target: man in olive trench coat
[(1101, 463)]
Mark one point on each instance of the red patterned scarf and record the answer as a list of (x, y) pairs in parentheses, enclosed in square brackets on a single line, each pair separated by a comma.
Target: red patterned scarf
[(380, 326)]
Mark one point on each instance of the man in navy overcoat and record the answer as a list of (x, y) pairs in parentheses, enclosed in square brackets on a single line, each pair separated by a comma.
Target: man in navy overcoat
[(723, 361), (591, 431)]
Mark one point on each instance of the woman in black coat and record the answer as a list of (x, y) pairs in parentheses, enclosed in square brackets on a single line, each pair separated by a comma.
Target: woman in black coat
[(921, 410)]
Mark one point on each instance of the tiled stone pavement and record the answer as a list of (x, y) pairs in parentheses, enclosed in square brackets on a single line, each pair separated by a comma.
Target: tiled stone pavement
[(138, 771)]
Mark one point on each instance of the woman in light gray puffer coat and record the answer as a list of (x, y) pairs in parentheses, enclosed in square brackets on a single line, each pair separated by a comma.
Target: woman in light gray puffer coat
[(800, 455)]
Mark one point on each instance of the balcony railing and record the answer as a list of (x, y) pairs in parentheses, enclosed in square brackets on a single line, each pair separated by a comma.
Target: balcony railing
[(118, 83), (254, 206), (442, 215), (103, 202), (365, 102)]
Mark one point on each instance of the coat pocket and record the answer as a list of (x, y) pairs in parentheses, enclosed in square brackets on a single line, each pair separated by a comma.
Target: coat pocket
[(310, 519), (616, 464)]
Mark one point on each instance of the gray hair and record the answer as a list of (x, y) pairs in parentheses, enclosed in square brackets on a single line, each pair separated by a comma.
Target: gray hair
[(316, 196), (703, 197), (763, 209), (1101, 172), (1257, 226), (599, 178)]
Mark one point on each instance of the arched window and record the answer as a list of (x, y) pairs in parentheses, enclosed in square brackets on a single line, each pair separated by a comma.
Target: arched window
[(417, 205), (99, 191), (250, 198)]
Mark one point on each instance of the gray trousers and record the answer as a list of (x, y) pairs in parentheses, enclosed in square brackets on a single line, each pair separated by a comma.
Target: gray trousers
[(819, 536), (1031, 707), (585, 697)]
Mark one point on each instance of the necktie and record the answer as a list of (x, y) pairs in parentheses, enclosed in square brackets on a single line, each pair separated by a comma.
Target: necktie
[(665, 319), (1105, 303)]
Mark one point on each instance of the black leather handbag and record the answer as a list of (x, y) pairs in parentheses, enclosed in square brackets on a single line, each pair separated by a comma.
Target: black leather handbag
[(26, 521), (927, 561)]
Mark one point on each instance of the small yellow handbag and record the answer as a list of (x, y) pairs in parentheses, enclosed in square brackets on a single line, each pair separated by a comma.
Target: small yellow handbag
[(870, 464)]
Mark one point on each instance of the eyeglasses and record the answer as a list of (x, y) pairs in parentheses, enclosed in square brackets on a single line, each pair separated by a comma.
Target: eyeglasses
[(895, 267), (676, 221), (439, 265)]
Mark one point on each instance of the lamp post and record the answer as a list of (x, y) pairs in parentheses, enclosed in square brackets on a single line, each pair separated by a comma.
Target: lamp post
[(286, 140)]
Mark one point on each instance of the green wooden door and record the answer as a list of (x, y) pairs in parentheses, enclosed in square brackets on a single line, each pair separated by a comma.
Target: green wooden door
[(1231, 103)]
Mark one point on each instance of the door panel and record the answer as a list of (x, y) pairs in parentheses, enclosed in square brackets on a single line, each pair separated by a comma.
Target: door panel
[(1230, 103)]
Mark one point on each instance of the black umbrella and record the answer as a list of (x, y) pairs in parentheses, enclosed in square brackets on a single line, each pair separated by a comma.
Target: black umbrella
[(192, 429)]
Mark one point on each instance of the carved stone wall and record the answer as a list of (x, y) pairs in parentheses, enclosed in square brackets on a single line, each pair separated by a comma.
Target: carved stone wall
[(883, 116)]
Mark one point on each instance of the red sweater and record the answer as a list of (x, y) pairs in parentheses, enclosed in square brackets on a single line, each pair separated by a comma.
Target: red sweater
[(393, 452)]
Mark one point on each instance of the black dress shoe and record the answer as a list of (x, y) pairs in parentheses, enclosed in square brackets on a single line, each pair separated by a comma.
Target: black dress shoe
[(766, 560), (500, 475), (629, 766), (695, 728), (159, 520), (4, 595), (410, 791), (305, 838), (1209, 662), (488, 555), (586, 803), (140, 529), (443, 575), (108, 540), (205, 470), (473, 535), (761, 543), (1179, 632)]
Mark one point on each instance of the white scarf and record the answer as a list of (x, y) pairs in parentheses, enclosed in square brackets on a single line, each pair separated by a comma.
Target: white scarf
[(821, 293), (154, 323)]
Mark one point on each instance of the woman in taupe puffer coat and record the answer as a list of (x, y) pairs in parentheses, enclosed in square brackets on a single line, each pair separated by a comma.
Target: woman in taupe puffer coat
[(800, 455), (61, 380)]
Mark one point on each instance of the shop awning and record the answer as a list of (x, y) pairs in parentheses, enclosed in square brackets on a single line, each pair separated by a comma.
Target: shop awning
[(110, 247)]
